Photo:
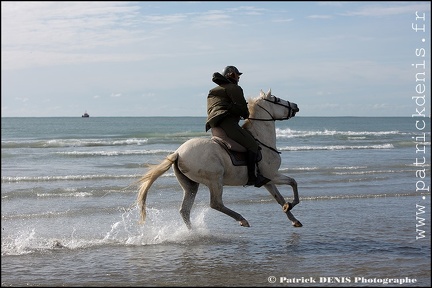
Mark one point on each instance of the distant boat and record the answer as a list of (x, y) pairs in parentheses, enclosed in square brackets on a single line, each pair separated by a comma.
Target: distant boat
[(85, 114)]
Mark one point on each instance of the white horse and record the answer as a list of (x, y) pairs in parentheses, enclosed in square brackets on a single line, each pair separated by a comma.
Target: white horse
[(203, 160)]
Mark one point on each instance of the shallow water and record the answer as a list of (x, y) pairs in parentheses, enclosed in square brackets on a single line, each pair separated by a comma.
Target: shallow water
[(341, 238), (69, 219)]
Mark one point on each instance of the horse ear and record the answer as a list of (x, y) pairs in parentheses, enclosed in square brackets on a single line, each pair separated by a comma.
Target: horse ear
[(269, 92), (262, 94)]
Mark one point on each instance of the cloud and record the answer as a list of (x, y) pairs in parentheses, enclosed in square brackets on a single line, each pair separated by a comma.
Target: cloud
[(213, 18), (319, 17), (164, 19), (282, 20), (167, 52), (51, 33), (248, 10), (377, 10)]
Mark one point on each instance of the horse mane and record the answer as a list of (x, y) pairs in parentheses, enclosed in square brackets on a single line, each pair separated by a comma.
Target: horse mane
[(251, 104)]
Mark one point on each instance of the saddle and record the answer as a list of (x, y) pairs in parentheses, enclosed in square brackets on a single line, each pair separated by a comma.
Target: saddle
[(236, 151)]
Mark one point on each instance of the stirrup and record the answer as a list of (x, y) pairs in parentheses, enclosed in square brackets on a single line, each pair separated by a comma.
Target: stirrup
[(261, 180)]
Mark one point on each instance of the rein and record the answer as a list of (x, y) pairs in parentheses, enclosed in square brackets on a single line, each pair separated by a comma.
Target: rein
[(271, 148), (276, 101)]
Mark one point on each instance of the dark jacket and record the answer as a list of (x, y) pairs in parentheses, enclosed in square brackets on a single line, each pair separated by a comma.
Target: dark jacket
[(226, 99)]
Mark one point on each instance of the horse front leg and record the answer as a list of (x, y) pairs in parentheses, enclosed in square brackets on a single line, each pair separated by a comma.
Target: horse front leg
[(286, 206), (285, 180), (217, 204)]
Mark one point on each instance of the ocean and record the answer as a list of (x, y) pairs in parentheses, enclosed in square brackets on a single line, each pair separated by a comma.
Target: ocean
[(69, 218)]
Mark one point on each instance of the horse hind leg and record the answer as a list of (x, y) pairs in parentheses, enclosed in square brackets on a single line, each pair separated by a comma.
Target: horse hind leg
[(189, 194), (217, 204), (190, 189)]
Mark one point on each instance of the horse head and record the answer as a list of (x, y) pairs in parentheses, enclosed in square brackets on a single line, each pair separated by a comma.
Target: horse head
[(275, 107)]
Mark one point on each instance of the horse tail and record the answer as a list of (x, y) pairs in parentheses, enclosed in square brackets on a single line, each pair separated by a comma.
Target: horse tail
[(147, 180)]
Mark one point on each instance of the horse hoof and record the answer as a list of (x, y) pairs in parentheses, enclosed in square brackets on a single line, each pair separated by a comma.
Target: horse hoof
[(244, 223), (286, 207), (297, 224)]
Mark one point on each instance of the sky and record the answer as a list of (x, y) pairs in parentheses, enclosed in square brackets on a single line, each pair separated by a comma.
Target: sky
[(142, 58)]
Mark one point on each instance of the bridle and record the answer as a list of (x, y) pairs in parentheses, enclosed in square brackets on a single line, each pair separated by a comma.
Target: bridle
[(276, 101)]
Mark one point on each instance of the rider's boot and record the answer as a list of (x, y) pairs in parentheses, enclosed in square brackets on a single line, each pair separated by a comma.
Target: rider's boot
[(250, 161), (258, 180), (261, 180)]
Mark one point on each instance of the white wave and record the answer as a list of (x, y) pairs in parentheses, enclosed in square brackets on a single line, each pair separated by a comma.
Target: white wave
[(114, 153), (336, 147), (55, 143), (66, 177), (349, 167), (361, 196), (365, 172), (7, 179), (75, 194), (290, 133), (298, 169)]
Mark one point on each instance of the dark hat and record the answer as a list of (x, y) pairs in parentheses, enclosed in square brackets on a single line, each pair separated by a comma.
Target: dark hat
[(230, 69)]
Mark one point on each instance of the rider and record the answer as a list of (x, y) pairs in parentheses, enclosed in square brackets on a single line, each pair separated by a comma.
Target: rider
[(226, 105)]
